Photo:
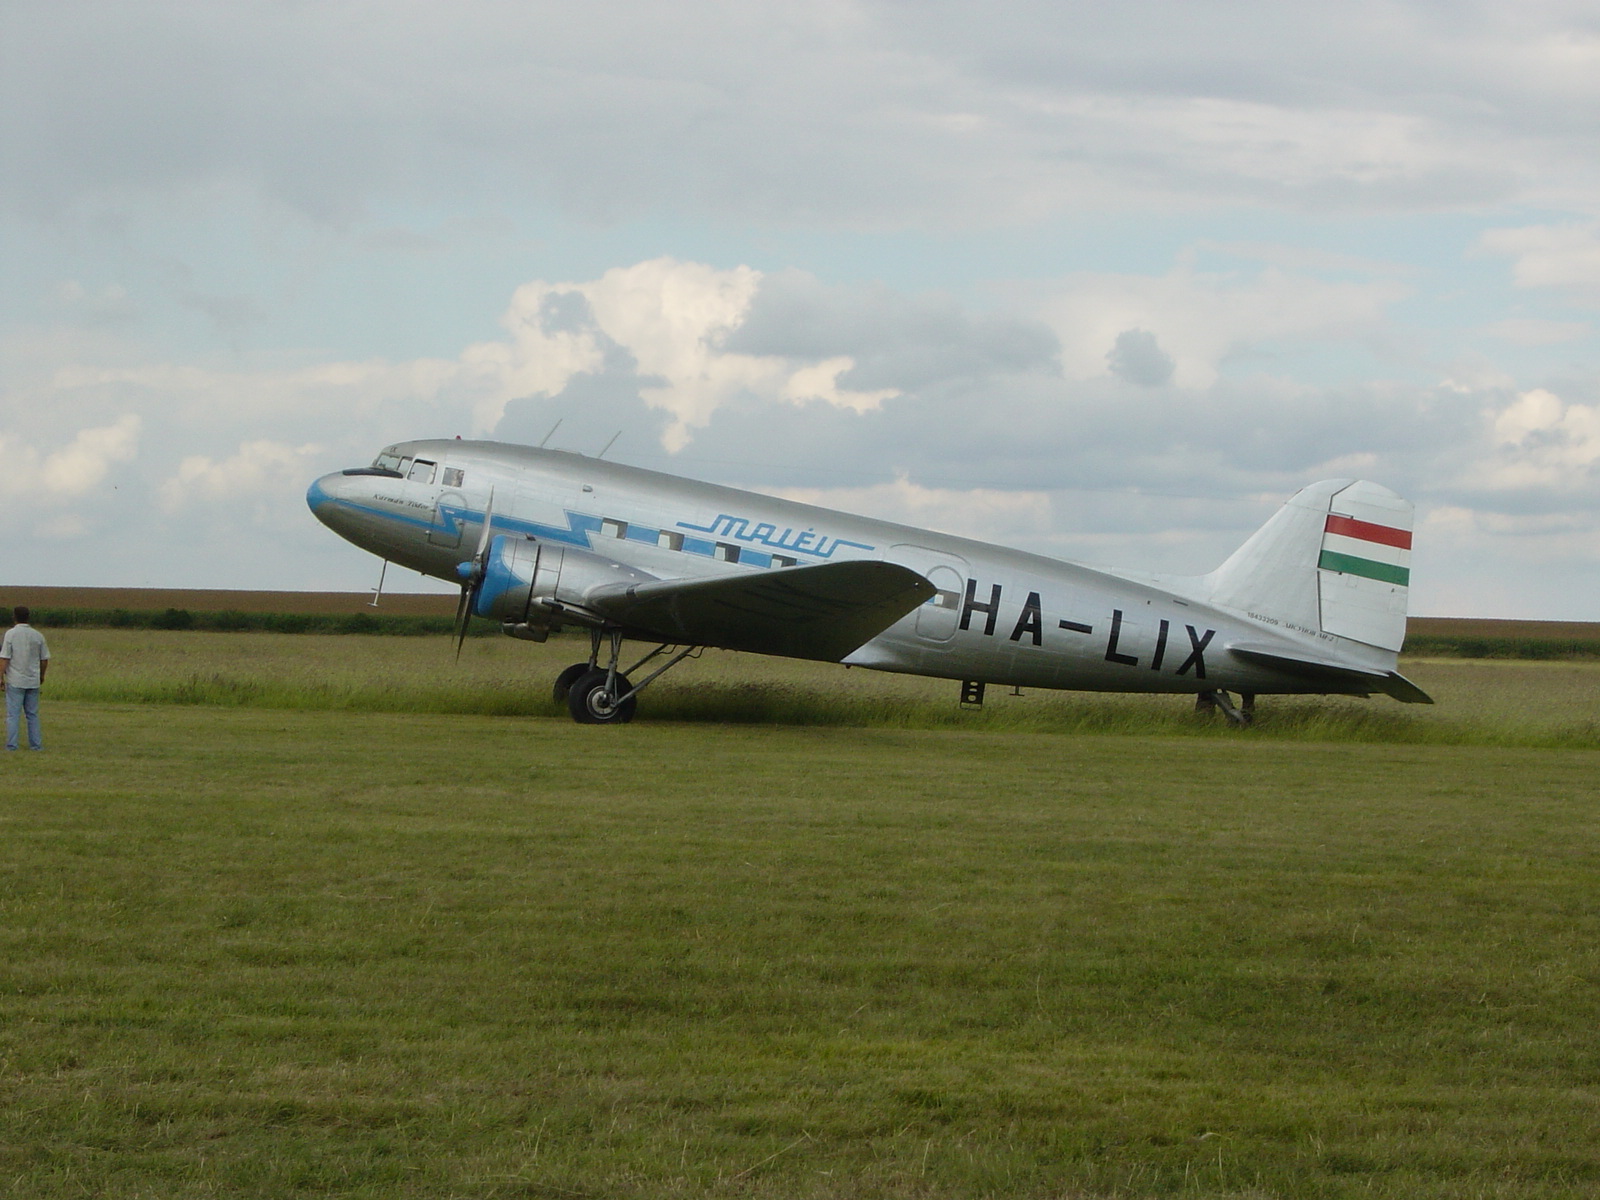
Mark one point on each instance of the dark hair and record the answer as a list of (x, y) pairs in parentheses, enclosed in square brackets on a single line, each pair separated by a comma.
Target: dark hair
[(21, 614)]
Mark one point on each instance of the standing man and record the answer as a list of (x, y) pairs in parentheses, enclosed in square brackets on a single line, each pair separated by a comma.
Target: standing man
[(24, 659)]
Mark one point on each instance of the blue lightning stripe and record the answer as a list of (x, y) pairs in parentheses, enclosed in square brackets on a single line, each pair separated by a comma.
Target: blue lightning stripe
[(581, 530), (576, 533)]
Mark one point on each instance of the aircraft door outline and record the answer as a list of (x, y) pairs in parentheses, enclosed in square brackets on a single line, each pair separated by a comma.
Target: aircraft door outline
[(446, 529), (936, 619)]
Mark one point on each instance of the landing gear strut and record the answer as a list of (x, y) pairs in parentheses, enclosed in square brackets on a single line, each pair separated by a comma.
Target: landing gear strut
[(1219, 701), (593, 699), (597, 695)]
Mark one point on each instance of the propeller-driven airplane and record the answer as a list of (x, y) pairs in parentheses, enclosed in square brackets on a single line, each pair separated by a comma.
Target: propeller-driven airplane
[(540, 540)]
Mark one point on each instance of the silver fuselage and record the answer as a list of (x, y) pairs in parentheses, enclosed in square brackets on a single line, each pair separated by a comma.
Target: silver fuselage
[(1002, 616)]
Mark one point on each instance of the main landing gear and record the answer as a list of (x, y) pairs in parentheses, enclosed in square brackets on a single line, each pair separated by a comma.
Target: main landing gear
[(1213, 702), (603, 695), (567, 678)]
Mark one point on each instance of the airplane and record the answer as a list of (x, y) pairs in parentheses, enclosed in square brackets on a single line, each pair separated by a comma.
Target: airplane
[(542, 540)]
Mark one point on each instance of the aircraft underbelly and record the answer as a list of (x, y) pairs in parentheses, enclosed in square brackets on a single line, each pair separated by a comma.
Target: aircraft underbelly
[(1084, 673)]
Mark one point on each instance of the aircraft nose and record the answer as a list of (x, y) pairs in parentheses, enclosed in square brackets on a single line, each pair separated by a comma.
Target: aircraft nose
[(324, 494)]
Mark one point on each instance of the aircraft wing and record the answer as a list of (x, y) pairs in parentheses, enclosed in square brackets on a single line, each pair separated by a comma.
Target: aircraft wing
[(1340, 677), (821, 612)]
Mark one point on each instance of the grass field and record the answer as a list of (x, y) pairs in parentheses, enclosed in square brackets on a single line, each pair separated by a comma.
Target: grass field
[(303, 933)]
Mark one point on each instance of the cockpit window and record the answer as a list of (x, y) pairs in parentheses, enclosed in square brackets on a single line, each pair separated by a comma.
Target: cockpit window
[(451, 477), (421, 471), (387, 461)]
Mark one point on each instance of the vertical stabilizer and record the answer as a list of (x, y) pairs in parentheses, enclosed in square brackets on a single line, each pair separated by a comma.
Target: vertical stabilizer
[(1335, 559), (1364, 569)]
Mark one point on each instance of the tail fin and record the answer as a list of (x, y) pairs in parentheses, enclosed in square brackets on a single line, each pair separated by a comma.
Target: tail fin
[(1335, 559)]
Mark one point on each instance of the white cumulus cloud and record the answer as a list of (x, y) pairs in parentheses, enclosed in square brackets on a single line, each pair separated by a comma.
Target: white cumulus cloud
[(821, 382), (670, 321), (73, 470), (1200, 318), (1545, 441), (966, 512), (1564, 256), (259, 474)]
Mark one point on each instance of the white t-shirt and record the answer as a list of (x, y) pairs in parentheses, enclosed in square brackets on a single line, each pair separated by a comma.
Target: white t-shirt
[(24, 646)]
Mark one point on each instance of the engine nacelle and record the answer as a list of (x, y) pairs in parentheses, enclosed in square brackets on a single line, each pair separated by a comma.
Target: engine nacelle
[(521, 573)]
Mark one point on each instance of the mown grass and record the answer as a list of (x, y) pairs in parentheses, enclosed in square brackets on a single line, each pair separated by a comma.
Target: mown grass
[(291, 953), (1524, 704)]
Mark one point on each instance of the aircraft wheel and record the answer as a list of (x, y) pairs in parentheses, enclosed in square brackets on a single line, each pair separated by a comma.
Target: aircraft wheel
[(565, 680), (591, 704)]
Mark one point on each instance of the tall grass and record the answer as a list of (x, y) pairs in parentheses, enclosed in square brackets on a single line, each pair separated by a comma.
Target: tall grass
[(1537, 705), (1452, 643)]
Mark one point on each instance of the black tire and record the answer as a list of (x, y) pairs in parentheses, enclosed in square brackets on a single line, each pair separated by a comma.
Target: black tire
[(566, 679), (590, 703)]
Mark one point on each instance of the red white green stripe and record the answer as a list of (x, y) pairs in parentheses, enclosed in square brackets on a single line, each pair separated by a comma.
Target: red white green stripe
[(1355, 547)]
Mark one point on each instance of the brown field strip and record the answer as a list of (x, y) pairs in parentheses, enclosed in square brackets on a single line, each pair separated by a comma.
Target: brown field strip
[(1493, 627)]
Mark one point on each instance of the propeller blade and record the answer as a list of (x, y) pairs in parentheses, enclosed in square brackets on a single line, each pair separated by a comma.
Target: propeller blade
[(462, 617), (488, 532), (472, 574)]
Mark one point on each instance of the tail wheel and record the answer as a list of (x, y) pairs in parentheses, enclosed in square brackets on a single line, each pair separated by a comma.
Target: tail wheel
[(591, 702), (566, 679)]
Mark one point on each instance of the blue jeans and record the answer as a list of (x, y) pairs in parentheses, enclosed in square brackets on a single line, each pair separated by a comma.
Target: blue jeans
[(20, 701)]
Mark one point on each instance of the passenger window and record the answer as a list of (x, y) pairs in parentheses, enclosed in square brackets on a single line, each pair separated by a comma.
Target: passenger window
[(421, 471), (616, 529), (670, 539), (783, 560), (726, 552), (452, 477)]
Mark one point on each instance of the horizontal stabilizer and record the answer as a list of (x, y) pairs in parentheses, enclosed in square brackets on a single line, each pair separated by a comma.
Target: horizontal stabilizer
[(1340, 677), (821, 612)]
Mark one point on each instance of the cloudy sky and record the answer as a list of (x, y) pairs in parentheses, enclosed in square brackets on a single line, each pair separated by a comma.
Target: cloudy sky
[(1104, 281)]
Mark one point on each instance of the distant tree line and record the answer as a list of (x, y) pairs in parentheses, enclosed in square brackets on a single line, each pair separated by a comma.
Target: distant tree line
[(1465, 646), (385, 624)]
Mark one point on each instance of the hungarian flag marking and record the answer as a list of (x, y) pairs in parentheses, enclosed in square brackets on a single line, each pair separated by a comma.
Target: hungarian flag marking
[(1373, 551)]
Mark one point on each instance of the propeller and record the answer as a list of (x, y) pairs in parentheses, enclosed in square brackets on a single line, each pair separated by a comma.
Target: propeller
[(471, 573)]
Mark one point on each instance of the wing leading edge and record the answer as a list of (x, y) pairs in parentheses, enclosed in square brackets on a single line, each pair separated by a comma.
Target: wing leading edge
[(822, 612)]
